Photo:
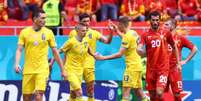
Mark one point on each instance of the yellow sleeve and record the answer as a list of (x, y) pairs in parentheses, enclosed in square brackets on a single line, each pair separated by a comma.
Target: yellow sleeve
[(52, 41), (21, 39), (97, 34), (125, 42), (67, 45)]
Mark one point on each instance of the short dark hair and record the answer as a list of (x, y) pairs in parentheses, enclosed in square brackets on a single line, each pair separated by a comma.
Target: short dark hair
[(154, 13), (77, 27), (124, 20), (37, 12), (84, 15)]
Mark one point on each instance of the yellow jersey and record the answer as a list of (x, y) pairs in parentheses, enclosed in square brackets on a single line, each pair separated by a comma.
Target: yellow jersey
[(91, 36), (76, 53), (36, 49), (129, 41)]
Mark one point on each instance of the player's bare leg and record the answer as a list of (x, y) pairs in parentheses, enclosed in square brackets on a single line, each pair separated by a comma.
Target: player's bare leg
[(72, 96), (152, 94), (27, 97), (78, 94), (126, 94), (90, 90), (140, 94), (39, 95), (159, 93)]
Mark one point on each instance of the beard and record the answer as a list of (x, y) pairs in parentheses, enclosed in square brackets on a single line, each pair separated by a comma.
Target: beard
[(155, 26)]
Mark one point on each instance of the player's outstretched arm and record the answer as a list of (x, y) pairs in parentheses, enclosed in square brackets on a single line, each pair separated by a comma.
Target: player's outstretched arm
[(113, 56), (190, 56), (108, 39), (59, 61), (115, 29), (17, 58)]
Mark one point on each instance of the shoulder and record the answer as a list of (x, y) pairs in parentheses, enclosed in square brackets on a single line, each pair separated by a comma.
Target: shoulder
[(45, 29), (72, 33), (26, 30), (133, 33), (182, 37), (71, 40), (90, 30)]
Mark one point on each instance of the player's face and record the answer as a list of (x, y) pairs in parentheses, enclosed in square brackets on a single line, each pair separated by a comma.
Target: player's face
[(121, 27), (167, 25), (155, 22), (40, 20), (82, 31), (86, 21)]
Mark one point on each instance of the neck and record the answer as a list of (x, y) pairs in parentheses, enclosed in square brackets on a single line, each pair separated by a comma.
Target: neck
[(79, 38), (154, 29), (36, 28), (126, 30)]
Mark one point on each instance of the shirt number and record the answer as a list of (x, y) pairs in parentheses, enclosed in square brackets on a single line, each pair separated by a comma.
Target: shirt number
[(155, 43), (163, 79), (179, 84)]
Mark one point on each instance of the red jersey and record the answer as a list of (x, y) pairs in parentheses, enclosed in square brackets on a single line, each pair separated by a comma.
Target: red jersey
[(156, 43), (181, 41)]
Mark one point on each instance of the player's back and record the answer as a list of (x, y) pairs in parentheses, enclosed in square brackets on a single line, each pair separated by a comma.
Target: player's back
[(129, 41)]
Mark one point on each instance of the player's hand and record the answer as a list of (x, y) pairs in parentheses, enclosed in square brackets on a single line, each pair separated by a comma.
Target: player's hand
[(112, 26), (17, 69), (183, 62), (51, 62), (64, 75), (141, 52), (98, 56)]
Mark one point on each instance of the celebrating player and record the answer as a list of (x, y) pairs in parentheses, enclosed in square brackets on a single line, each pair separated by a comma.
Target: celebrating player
[(89, 67), (35, 40), (132, 78)]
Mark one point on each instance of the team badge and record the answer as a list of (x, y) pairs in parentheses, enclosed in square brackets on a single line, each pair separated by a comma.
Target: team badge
[(35, 43), (43, 36), (90, 36), (126, 78), (85, 44)]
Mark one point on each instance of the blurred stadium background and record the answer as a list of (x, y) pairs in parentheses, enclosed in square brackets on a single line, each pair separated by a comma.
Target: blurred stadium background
[(17, 14)]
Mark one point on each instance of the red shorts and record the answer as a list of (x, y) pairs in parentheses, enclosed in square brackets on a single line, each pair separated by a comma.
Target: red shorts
[(156, 79), (175, 80)]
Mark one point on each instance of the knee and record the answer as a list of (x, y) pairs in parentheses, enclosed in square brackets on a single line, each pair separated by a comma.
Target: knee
[(78, 93), (39, 95), (27, 97), (72, 95), (159, 92)]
